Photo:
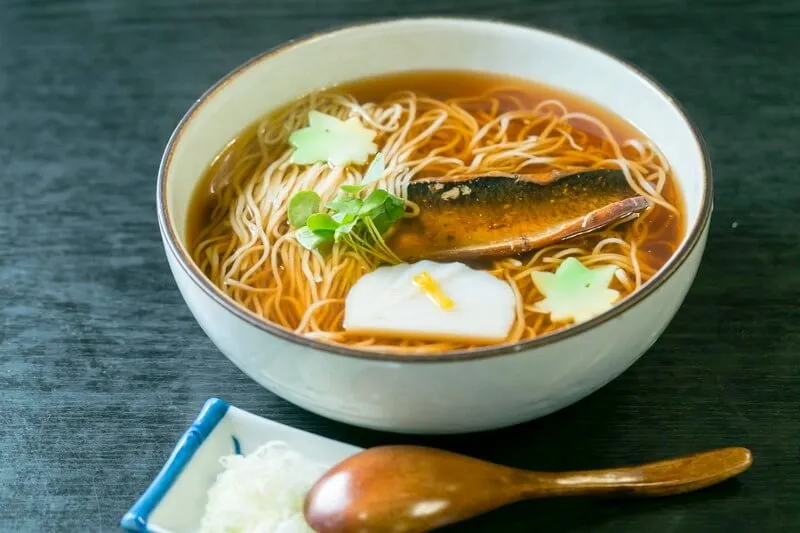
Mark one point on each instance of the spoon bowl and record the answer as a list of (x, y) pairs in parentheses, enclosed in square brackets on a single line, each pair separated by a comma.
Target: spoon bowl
[(413, 489)]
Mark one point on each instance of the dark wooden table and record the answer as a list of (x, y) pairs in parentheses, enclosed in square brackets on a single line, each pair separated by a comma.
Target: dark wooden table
[(102, 366)]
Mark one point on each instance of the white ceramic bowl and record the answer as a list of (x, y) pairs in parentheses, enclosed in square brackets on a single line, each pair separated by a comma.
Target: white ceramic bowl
[(455, 392)]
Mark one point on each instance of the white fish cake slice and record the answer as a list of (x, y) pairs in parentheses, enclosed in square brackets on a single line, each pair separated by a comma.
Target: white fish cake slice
[(387, 303)]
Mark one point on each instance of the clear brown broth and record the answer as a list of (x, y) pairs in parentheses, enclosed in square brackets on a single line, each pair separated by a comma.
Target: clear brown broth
[(460, 84)]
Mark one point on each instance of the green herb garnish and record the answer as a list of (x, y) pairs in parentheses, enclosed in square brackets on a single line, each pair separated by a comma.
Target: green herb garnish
[(375, 170), (352, 189), (308, 238), (301, 206), (358, 222)]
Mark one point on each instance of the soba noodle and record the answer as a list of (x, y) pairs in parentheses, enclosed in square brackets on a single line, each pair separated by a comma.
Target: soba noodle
[(246, 248)]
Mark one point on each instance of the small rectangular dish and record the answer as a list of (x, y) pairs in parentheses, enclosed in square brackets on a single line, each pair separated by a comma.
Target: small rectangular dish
[(175, 500)]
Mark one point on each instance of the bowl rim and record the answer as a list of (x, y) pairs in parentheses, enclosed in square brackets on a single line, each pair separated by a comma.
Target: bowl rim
[(170, 235)]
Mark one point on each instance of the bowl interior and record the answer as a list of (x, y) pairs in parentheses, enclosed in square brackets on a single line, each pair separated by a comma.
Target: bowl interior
[(281, 76)]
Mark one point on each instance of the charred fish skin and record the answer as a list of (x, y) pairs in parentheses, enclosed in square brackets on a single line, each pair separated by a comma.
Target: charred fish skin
[(517, 187), (499, 215)]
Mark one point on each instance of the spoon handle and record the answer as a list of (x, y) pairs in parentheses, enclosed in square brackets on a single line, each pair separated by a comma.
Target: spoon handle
[(662, 478)]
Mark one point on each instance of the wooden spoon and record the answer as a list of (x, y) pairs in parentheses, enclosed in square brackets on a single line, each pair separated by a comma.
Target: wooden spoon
[(409, 489)]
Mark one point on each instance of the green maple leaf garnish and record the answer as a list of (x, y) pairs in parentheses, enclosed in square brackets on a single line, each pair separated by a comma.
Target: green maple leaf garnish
[(575, 292), (328, 139)]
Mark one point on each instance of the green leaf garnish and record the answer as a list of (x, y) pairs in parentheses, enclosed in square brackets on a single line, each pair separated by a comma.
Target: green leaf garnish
[(345, 204), (373, 173), (395, 207), (373, 202), (358, 223), (321, 222), (575, 292), (353, 189), (310, 240), (382, 222), (301, 206), (375, 170), (328, 139), (343, 218), (344, 229)]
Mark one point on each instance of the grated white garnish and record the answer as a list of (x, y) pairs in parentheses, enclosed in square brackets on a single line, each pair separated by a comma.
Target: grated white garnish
[(262, 492)]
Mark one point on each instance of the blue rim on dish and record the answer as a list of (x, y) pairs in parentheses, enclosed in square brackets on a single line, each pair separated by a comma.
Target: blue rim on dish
[(213, 411)]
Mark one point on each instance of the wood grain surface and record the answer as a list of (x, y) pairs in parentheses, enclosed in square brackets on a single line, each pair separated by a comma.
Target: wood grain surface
[(102, 366)]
